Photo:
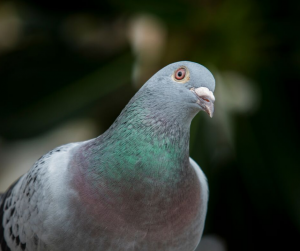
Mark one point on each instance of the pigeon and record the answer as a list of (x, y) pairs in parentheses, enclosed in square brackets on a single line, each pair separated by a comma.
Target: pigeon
[(132, 188)]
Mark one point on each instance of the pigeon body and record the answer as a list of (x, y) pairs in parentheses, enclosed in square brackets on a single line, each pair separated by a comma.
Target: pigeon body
[(132, 188)]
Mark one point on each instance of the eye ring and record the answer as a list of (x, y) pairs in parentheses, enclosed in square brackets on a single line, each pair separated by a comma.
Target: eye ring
[(181, 75)]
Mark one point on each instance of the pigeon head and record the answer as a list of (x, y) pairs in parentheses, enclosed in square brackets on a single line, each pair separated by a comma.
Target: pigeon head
[(183, 88)]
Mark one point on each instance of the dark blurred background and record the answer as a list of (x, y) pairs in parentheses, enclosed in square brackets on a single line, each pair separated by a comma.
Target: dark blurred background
[(66, 72)]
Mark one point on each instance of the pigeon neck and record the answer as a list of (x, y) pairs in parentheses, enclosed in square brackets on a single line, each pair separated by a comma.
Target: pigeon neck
[(136, 173), (142, 153), (143, 141)]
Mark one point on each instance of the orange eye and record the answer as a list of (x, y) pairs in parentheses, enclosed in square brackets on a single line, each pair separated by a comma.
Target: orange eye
[(180, 73)]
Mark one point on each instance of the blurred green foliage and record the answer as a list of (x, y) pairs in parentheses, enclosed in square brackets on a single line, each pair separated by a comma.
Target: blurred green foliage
[(60, 62)]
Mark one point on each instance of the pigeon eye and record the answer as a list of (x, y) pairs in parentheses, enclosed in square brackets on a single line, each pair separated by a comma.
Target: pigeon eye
[(180, 73)]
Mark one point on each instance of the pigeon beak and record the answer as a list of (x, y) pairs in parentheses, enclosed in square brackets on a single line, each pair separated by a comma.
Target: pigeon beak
[(205, 100)]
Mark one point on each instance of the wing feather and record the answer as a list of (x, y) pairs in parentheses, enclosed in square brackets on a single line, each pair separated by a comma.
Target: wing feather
[(3, 198), (203, 183)]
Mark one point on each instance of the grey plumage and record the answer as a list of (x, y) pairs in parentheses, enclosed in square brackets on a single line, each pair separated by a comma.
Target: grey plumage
[(132, 188), (21, 207)]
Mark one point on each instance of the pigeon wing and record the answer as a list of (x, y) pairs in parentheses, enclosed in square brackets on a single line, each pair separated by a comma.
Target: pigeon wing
[(204, 189), (21, 206)]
